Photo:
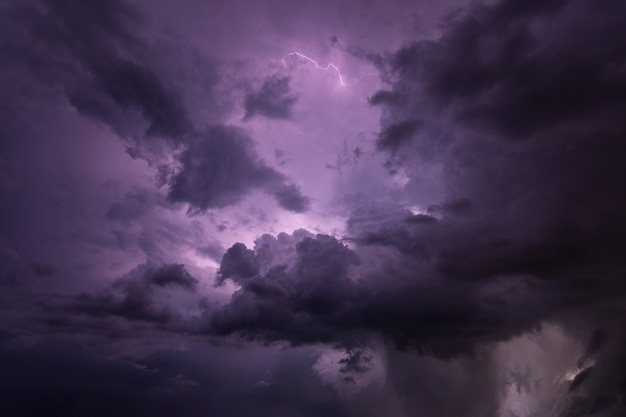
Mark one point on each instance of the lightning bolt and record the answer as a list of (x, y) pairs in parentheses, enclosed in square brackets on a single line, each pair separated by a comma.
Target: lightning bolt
[(318, 66)]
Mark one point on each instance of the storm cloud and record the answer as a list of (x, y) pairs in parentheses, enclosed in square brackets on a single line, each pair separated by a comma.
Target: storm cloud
[(273, 100), (522, 120), (173, 242), (107, 71)]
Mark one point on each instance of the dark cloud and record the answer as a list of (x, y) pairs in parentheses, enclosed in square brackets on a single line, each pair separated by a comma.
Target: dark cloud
[(134, 304), (598, 386), (221, 166), (420, 219), (272, 250), (98, 59), (525, 230), (596, 342), (285, 303), (511, 236), (320, 297), (129, 84), (580, 378), (147, 276), (163, 382), (386, 98), (459, 206), (515, 9), (397, 238), (126, 84), (93, 53), (542, 213), (238, 263), (174, 275), (291, 198), (356, 360), (143, 296), (520, 68), (273, 100), (532, 208), (397, 134)]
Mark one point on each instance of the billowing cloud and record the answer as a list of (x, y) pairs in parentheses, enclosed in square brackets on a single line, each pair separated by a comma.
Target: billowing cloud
[(238, 262), (325, 293), (476, 233), (519, 70), (523, 131)]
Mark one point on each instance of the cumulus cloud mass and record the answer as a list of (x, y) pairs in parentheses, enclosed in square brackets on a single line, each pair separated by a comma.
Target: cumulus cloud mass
[(420, 213)]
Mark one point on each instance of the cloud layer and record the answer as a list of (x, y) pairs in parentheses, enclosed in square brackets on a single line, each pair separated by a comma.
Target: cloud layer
[(464, 258)]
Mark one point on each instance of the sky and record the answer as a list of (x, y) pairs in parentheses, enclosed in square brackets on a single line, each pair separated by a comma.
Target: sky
[(335, 208)]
